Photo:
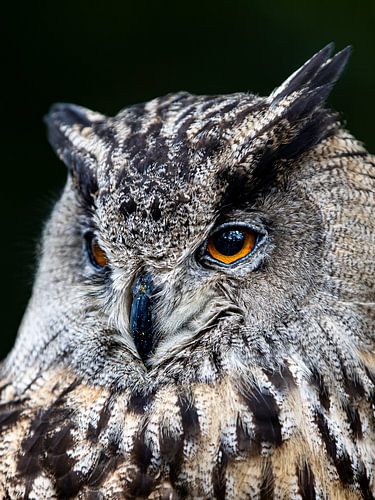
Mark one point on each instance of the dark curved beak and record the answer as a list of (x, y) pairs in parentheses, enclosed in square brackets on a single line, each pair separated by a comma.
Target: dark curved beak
[(141, 315)]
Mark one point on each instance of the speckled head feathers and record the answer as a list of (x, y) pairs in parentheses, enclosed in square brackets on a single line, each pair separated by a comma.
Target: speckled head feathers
[(178, 156)]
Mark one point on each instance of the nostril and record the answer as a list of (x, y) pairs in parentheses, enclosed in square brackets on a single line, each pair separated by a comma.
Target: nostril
[(141, 312)]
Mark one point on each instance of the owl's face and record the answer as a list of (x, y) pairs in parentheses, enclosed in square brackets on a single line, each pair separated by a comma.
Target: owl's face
[(193, 231), (178, 201), (202, 318)]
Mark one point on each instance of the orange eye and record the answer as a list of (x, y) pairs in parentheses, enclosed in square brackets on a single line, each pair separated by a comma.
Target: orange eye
[(231, 244), (97, 255)]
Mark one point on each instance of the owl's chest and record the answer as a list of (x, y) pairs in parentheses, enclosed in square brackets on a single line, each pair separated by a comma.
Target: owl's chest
[(70, 439)]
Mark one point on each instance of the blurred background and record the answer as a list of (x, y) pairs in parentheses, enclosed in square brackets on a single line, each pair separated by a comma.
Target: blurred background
[(106, 55)]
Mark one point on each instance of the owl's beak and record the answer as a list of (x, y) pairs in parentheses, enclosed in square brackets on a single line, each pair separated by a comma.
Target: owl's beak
[(141, 321)]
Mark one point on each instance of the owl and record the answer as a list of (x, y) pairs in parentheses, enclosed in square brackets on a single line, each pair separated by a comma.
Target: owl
[(202, 319)]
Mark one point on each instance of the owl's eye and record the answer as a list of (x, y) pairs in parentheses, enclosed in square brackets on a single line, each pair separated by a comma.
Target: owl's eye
[(96, 254), (230, 244)]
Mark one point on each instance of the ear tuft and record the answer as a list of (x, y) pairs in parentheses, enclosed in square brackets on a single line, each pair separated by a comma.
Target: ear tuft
[(331, 71), (297, 113), (69, 127), (307, 102), (300, 101), (71, 133), (319, 71)]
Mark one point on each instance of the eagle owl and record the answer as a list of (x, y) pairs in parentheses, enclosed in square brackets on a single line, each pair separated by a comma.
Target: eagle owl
[(202, 319)]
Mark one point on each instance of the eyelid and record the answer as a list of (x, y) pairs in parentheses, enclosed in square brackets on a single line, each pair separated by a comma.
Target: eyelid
[(257, 228)]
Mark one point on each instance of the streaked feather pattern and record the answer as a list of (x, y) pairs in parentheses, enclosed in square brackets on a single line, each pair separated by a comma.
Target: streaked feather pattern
[(261, 380)]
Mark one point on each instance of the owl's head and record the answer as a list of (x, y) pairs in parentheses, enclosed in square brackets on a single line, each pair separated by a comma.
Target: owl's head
[(203, 235)]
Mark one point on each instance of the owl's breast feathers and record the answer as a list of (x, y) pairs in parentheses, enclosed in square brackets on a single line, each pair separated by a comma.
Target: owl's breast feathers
[(280, 437)]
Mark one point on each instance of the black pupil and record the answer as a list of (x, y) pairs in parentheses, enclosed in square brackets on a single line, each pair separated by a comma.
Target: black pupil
[(229, 242)]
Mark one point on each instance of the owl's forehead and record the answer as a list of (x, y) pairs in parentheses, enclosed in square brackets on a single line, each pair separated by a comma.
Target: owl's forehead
[(171, 139), (167, 159), (182, 115)]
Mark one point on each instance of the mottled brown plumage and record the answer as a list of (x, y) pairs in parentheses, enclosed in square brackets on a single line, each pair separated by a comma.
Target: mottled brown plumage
[(157, 371)]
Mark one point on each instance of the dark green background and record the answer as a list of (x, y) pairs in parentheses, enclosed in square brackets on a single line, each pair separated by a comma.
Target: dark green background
[(106, 55)]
